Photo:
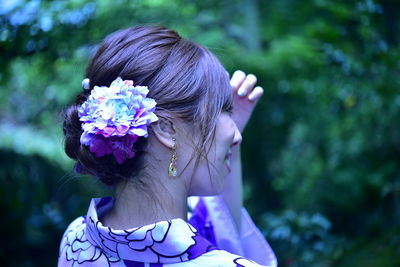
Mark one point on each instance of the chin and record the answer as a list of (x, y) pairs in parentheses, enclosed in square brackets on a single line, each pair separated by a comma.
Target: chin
[(204, 194), (207, 183), (207, 191)]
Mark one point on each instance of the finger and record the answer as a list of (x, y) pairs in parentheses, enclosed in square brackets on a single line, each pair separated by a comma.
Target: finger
[(237, 79), (256, 94), (247, 85)]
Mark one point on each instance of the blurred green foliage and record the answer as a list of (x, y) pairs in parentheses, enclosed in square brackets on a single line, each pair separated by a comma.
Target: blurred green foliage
[(321, 155)]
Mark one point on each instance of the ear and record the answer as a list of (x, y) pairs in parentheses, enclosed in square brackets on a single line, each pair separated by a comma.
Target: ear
[(165, 131)]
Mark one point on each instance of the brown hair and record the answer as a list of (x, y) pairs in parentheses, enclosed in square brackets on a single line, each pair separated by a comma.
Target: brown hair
[(186, 80)]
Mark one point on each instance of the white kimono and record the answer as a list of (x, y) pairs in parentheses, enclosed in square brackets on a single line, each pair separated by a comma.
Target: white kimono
[(208, 239)]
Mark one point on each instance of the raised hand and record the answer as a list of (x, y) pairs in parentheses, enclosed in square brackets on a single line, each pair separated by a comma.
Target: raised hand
[(245, 97)]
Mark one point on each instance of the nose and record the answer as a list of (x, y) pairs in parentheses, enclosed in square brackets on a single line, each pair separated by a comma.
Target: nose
[(237, 138)]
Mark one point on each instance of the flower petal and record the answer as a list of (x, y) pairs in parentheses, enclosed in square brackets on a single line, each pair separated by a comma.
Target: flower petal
[(121, 110)]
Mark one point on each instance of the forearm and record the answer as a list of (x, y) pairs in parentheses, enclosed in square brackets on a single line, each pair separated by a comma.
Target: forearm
[(233, 193), (245, 98)]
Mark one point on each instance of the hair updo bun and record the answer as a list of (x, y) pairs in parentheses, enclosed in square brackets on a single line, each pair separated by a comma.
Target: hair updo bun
[(185, 79), (105, 168)]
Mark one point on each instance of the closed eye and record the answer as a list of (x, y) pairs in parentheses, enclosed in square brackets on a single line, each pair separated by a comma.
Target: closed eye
[(228, 109)]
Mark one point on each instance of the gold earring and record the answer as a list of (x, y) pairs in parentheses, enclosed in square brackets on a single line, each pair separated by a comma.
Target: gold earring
[(172, 171)]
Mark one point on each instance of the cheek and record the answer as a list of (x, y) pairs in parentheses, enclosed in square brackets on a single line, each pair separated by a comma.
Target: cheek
[(225, 130), (224, 142)]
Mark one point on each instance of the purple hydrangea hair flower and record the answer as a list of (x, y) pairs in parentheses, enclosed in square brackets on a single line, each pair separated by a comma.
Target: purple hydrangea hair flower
[(114, 117)]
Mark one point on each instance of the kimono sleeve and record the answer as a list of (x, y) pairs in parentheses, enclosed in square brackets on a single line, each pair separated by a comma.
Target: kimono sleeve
[(211, 217)]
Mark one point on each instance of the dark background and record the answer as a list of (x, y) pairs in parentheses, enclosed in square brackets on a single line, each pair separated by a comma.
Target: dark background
[(321, 154)]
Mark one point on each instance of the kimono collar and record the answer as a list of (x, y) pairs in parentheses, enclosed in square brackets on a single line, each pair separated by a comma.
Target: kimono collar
[(162, 242)]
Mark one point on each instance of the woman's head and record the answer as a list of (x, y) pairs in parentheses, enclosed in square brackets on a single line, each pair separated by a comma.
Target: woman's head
[(187, 81)]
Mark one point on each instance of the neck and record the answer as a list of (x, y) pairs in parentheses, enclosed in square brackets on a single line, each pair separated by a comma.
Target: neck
[(135, 207)]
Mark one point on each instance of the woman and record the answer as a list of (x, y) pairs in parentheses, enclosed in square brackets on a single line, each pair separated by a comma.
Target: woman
[(159, 121)]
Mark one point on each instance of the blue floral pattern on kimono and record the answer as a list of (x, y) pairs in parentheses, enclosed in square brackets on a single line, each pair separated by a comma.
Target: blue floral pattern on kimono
[(87, 242)]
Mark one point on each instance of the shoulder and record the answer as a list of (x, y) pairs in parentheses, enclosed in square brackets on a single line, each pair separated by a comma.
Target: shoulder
[(75, 225), (75, 228), (71, 232), (221, 258), (75, 248)]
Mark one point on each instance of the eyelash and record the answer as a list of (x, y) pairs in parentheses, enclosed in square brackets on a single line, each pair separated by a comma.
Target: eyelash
[(229, 110)]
